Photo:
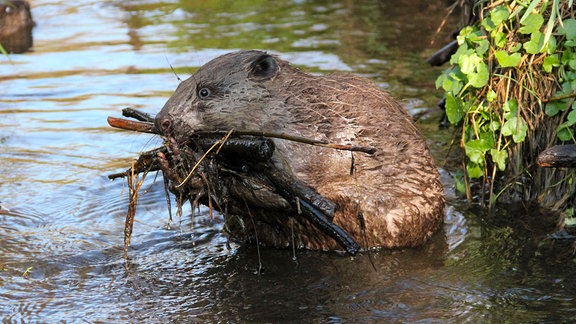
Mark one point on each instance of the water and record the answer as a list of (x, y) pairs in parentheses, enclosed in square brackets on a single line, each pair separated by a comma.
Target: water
[(61, 221)]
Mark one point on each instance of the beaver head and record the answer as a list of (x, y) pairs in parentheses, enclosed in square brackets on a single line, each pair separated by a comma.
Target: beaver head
[(233, 91)]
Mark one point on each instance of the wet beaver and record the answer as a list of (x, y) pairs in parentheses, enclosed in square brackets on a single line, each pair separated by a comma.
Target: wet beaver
[(15, 26), (392, 198)]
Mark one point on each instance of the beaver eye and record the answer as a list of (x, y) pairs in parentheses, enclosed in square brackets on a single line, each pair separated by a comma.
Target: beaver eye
[(204, 93)]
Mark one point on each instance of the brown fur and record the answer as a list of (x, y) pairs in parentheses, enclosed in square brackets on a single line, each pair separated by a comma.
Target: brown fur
[(397, 189), (15, 26)]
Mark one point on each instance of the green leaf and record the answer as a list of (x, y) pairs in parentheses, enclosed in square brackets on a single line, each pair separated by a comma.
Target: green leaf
[(510, 108), (476, 149), (488, 24), (568, 28), (571, 118), (516, 127), (482, 46), (506, 60), (550, 62), (520, 134), (475, 36), (473, 66), (462, 50), (528, 10), (494, 126), (440, 80), (464, 34), (500, 39), (488, 138), (551, 45), (509, 126), (480, 78), (515, 48), (499, 14), (459, 181), (474, 170), (454, 110), (554, 107), (490, 95), (565, 133), (536, 43), (564, 130), (531, 24), (451, 81), (572, 64), (499, 158), (567, 56), (468, 62)]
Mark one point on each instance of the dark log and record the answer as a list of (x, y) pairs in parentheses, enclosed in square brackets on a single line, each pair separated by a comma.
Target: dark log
[(299, 139), (444, 54), (559, 156), (137, 114), (251, 148), (317, 209)]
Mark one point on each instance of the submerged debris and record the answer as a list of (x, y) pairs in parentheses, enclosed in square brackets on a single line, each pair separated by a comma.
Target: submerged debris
[(228, 172)]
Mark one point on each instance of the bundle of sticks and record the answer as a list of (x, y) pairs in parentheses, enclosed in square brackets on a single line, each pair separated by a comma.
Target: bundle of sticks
[(210, 163)]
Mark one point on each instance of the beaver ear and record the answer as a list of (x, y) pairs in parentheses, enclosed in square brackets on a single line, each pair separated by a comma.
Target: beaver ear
[(264, 67)]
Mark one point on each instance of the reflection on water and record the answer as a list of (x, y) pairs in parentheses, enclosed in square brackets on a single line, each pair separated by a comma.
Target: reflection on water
[(61, 220)]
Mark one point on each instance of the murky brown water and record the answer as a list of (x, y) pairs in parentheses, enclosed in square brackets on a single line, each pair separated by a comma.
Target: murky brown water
[(61, 222)]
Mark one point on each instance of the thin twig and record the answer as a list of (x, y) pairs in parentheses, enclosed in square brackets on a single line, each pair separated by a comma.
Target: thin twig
[(566, 96), (148, 127), (299, 139), (134, 188), (219, 142)]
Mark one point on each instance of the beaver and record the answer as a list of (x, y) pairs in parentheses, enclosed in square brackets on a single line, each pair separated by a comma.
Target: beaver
[(15, 26), (390, 199)]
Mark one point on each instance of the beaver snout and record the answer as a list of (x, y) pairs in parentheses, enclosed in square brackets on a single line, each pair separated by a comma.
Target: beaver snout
[(163, 124)]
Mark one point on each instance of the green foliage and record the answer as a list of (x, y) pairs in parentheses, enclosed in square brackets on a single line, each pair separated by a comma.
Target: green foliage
[(514, 43), (506, 60), (459, 182), (454, 109), (566, 65), (532, 24), (536, 43)]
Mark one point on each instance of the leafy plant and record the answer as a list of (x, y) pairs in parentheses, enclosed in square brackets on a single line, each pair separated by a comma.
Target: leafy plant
[(513, 69)]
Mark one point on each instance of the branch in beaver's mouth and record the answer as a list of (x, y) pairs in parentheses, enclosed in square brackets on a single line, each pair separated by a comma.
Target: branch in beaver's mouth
[(252, 149)]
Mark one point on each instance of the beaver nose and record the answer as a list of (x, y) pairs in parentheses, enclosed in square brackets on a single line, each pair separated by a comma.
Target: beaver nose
[(163, 124)]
